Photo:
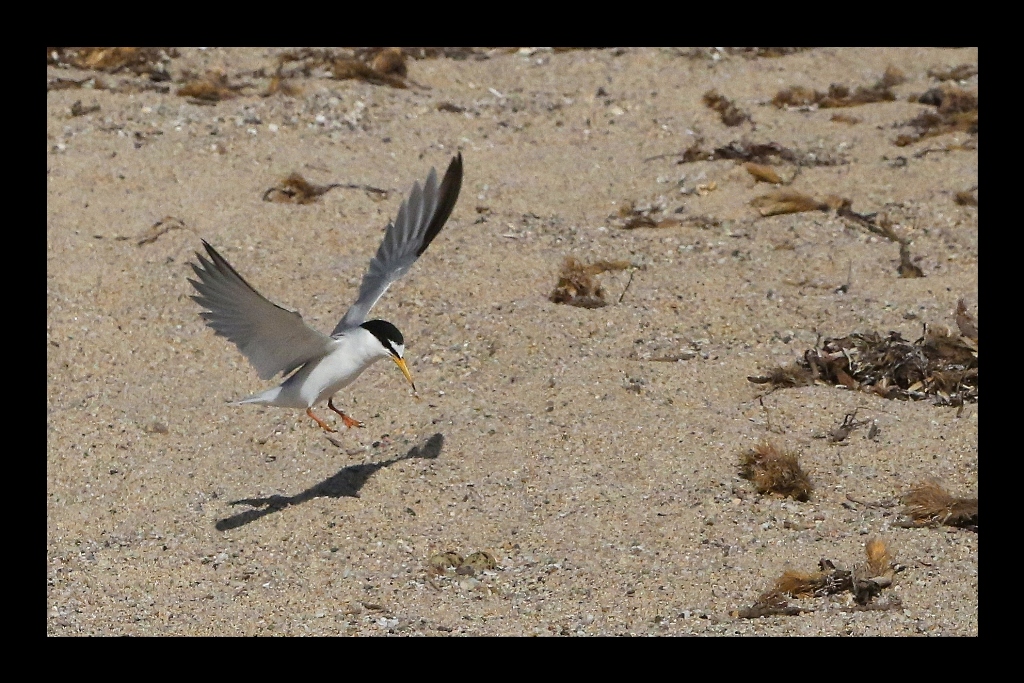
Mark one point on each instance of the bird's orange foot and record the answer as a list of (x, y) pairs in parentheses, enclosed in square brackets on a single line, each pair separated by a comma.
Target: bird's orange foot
[(323, 425), (349, 422)]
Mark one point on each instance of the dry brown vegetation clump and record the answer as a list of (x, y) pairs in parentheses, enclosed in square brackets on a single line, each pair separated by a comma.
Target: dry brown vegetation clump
[(297, 190), (730, 114), (281, 85), (213, 86), (788, 201), (77, 109), (940, 365), (956, 110), (757, 152), (376, 65), (767, 52), (957, 73), (647, 215), (160, 228), (864, 582), (148, 61), (840, 95), (777, 471), (878, 224), (577, 285), (762, 173), (965, 322), (907, 268), (845, 118), (146, 67), (792, 375), (967, 197), (929, 504)]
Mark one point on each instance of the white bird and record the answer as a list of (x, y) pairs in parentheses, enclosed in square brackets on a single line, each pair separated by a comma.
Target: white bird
[(276, 340)]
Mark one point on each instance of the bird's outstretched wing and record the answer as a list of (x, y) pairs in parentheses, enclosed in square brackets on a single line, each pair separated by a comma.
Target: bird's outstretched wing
[(420, 218), (274, 339)]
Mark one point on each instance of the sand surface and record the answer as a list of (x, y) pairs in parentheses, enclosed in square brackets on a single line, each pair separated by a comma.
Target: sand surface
[(604, 483)]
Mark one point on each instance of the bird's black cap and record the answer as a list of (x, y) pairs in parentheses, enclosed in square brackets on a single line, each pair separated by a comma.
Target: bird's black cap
[(384, 332)]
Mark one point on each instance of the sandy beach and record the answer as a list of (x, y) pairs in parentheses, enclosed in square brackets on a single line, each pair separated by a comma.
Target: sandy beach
[(579, 465)]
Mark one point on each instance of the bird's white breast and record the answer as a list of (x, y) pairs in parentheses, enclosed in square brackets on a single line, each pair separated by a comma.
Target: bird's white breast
[(353, 352)]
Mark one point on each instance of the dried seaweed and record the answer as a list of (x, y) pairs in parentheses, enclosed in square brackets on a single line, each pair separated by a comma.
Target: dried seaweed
[(762, 173), (142, 61), (212, 86), (96, 83), (74, 83), (647, 215), (797, 96), (701, 220), (786, 201), (956, 73), (940, 366), (775, 471), (907, 267), (716, 53), (840, 95), (457, 53), (850, 422), (865, 581), (150, 63), (931, 124), (344, 69), (389, 60), (297, 190), (450, 107), (965, 322), (879, 224), (378, 66), (950, 100), (815, 584), (955, 110), (304, 62), (161, 227), (577, 285), (966, 197), (730, 114), (78, 110), (877, 573), (285, 86), (768, 52), (845, 118), (771, 604), (793, 375), (757, 152), (929, 504), (790, 201)]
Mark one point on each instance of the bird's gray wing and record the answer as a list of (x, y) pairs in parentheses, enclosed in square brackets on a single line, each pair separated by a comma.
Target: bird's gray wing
[(274, 339), (420, 218)]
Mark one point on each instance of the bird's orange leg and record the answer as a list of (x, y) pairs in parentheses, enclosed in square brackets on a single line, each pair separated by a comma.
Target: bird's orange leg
[(323, 425), (349, 422)]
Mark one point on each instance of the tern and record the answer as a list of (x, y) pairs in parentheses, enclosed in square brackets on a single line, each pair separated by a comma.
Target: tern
[(277, 340)]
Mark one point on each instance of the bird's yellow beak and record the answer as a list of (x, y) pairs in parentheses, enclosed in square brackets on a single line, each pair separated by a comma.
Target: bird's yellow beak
[(400, 362)]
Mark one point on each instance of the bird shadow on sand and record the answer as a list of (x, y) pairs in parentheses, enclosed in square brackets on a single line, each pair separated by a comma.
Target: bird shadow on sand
[(347, 482)]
